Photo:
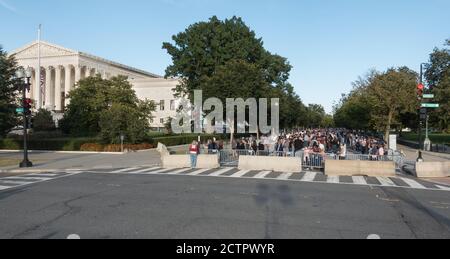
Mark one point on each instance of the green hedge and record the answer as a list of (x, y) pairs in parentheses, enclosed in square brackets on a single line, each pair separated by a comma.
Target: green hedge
[(56, 144)]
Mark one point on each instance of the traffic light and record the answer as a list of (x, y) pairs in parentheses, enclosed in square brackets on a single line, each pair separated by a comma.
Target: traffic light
[(27, 105), (420, 89), (423, 113)]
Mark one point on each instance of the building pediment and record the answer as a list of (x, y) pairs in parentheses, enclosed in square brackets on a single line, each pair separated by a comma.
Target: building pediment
[(47, 50)]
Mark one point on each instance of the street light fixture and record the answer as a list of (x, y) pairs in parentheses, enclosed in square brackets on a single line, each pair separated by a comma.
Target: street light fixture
[(23, 85)]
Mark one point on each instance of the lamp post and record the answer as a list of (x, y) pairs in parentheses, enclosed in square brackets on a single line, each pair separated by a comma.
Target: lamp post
[(24, 85)]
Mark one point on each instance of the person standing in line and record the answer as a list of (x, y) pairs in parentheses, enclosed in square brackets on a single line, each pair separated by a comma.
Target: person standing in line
[(194, 150)]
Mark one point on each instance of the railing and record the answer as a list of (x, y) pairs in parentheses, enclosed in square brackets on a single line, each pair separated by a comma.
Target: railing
[(308, 160)]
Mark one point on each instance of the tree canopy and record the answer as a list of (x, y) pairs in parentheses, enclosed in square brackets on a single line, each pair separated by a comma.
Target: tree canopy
[(438, 78), (379, 101), (225, 59), (107, 108), (8, 93)]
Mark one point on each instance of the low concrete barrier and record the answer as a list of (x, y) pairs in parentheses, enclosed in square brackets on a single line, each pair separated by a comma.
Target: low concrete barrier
[(266, 163), (357, 167), (184, 161), (433, 169)]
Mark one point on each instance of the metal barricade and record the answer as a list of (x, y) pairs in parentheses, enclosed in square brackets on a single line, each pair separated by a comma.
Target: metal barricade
[(231, 157)]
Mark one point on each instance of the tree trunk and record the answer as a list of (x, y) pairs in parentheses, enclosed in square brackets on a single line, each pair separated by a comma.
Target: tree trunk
[(388, 128)]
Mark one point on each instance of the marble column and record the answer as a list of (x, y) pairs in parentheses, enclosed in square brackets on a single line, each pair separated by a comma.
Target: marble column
[(87, 72), (58, 72), (33, 83), (77, 74), (68, 82), (48, 86)]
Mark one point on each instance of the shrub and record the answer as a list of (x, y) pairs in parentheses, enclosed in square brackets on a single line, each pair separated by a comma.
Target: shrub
[(9, 144), (92, 147), (43, 121), (117, 148)]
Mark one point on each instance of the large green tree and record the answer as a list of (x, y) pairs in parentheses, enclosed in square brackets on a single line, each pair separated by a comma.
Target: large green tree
[(107, 108), (203, 47), (8, 92), (225, 59), (438, 78), (392, 93), (379, 101)]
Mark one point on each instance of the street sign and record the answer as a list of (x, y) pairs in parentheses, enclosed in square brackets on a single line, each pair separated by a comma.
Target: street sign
[(430, 105), (19, 110), (428, 96)]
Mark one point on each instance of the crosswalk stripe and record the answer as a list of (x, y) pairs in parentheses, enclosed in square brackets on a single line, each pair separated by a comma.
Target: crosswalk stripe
[(144, 170), (124, 170), (27, 178), (308, 177), (160, 171), (413, 183), (443, 187), (332, 179), (222, 171), (180, 171), (285, 176), (199, 171), (4, 187), (385, 181), (359, 180), (15, 182), (262, 174), (240, 173), (45, 175)]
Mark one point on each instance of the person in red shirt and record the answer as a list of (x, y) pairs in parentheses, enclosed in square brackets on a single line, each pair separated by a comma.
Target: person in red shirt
[(194, 150)]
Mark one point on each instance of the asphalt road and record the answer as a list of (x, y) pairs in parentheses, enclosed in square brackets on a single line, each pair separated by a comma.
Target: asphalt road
[(164, 206)]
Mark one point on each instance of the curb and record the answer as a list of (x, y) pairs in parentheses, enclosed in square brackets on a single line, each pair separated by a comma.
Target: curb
[(38, 171), (63, 152)]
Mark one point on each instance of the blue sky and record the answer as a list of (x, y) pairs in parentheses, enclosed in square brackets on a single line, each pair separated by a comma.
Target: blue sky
[(329, 42)]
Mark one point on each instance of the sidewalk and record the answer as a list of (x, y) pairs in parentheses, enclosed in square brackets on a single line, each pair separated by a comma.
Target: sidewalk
[(67, 161), (411, 155)]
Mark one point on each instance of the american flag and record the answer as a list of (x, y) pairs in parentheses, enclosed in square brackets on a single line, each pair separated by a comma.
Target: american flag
[(42, 85)]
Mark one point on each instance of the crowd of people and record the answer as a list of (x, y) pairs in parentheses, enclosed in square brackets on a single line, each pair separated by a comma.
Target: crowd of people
[(317, 141), (314, 145)]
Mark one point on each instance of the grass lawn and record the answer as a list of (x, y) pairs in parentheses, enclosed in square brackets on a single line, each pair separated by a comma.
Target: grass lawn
[(4, 162), (435, 138)]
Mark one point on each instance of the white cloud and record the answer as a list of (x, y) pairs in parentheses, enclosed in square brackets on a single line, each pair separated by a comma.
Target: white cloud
[(8, 6)]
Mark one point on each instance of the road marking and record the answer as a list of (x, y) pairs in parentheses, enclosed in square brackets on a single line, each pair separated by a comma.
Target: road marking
[(16, 182), (262, 175), (4, 187), (308, 177), (197, 172), (144, 170), (46, 175), (124, 170), (413, 183), (385, 181), (222, 171), (285, 176), (240, 173), (27, 178), (443, 187), (333, 179), (359, 180), (180, 171), (373, 237), (160, 171), (73, 236)]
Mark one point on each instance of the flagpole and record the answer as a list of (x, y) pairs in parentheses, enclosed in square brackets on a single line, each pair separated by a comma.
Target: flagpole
[(38, 77)]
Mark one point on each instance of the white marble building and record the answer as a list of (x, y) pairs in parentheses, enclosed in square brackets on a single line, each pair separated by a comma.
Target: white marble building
[(61, 68)]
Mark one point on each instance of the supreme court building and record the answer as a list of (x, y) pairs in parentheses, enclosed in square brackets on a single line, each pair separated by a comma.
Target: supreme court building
[(62, 68)]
